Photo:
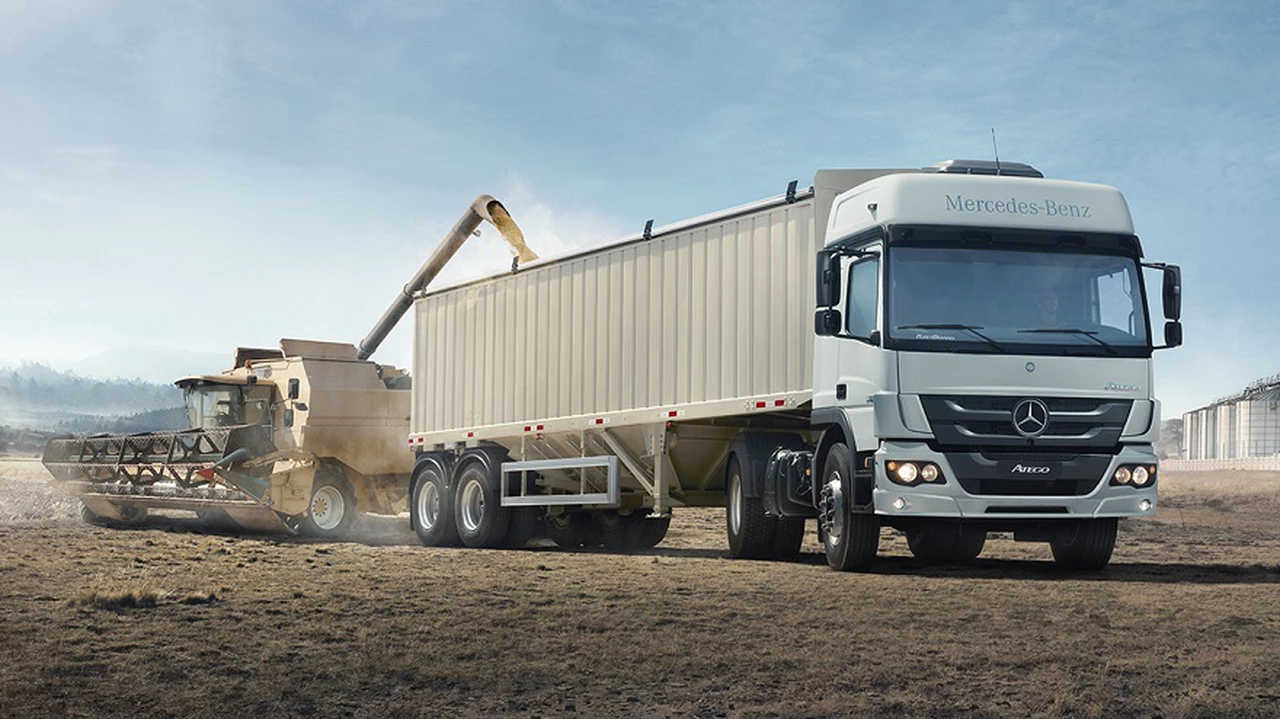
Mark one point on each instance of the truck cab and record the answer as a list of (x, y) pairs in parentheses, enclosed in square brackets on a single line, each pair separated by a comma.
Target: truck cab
[(983, 353)]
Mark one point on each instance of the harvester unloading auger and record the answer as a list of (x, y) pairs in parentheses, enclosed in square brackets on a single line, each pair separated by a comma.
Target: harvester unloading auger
[(302, 438)]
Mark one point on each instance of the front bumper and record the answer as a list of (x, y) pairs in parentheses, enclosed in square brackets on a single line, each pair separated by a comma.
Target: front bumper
[(950, 500)]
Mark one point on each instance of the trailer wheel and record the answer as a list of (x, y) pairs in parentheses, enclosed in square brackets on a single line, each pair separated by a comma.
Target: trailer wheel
[(788, 535), (524, 522), (750, 530), (850, 539), (332, 508), (621, 532), (431, 507), (570, 530), (479, 515), (1084, 544)]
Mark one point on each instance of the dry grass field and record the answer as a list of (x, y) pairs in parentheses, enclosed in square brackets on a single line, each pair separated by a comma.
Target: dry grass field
[(167, 620)]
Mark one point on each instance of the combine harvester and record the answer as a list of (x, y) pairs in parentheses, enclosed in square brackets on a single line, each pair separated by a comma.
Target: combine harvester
[(299, 439), (972, 354)]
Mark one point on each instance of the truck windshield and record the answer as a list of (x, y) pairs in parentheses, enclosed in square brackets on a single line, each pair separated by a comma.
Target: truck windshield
[(219, 405), (1025, 301)]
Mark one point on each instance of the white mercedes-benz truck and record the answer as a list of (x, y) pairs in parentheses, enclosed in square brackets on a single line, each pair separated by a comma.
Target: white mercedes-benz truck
[(971, 355)]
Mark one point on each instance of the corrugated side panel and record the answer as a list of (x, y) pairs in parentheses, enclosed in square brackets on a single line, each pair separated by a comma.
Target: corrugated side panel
[(718, 312)]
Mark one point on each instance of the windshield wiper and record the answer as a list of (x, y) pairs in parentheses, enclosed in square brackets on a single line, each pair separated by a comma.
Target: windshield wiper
[(1074, 331), (969, 328)]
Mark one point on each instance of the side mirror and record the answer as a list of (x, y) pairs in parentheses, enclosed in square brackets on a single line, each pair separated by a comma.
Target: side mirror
[(828, 279), (1173, 294), (1172, 334), (826, 322)]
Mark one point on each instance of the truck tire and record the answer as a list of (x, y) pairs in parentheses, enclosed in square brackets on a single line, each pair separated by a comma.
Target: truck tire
[(749, 529), (850, 540), (654, 530), (431, 507), (481, 520), (524, 522), (570, 530), (788, 535), (968, 545), (1085, 544), (332, 508)]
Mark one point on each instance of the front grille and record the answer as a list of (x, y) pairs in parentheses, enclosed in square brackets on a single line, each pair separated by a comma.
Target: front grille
[(984, 420), (1029, 487), (1030, 509)]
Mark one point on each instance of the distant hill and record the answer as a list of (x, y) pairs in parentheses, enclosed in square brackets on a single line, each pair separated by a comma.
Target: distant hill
[(36, 396), (150, 364)]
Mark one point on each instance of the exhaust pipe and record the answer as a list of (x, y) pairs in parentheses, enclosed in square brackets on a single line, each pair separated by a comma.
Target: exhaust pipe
[(483, 208)]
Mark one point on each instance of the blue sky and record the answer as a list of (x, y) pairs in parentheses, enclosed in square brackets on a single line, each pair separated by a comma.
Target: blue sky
[(202, 175)]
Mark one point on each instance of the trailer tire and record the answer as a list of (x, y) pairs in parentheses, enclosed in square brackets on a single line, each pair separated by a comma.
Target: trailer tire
[(524, 522), (788, 535), (479, 516), (749, 529), (851, 539), (570, 530), (1084, 545), (431, 506), (621, 532), (332, 508)]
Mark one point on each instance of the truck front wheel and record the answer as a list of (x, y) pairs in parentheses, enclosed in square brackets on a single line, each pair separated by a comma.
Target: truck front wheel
[(1084, 544), (850, 539)]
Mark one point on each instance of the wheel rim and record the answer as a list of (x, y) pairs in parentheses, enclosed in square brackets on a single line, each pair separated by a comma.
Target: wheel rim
[(428, 505), (831, 508), (735, 504), (327, 508), (472, 506)]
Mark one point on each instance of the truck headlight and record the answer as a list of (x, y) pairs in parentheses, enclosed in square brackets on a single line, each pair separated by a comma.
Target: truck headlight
[(1141, 477), (913, 473), (1122, 476)]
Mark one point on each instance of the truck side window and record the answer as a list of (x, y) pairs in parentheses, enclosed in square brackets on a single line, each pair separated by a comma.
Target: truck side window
[(864, 295)]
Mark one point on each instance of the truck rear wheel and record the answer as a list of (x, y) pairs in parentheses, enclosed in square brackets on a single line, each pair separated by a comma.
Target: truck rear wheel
[(850, 540), (478, 513), (332, 509), (1084, 544), (945, 543), (750, 530), (788, 535), (431, 507)]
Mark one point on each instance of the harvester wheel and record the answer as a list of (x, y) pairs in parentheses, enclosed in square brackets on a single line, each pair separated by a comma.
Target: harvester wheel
[(432, 506), (481, 520), (332, 508), (750, 529)]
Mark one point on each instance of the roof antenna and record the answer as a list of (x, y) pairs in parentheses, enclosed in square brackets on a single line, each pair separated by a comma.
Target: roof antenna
[(996, 148)]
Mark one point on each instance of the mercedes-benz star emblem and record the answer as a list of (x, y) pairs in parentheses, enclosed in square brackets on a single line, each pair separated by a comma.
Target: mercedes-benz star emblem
[(1030, 417)]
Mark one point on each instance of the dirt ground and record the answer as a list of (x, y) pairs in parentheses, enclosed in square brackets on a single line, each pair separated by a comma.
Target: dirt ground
[(169, 620)]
